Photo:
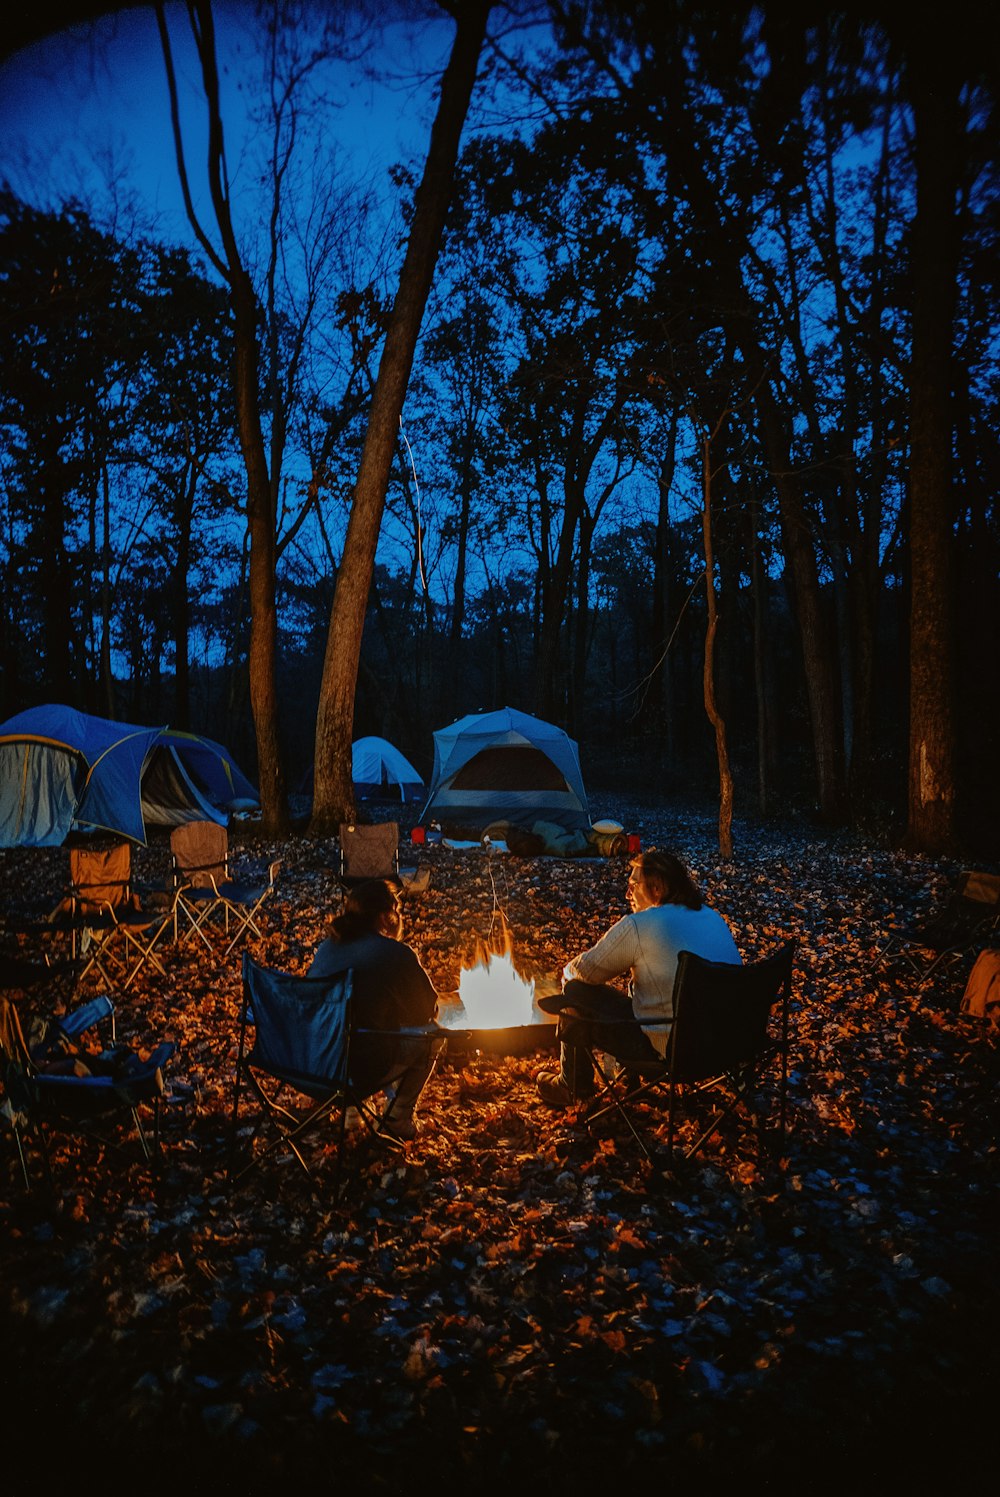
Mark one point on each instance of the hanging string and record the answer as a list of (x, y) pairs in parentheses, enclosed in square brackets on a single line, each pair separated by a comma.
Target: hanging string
[(420, 523), (498, 912)]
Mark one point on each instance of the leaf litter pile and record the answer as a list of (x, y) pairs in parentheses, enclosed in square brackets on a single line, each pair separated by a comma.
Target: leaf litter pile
[(515, 1299)]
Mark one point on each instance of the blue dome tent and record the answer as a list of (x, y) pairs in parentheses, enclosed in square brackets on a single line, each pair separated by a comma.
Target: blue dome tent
[(506, 766), (378, 768), (63, 770)]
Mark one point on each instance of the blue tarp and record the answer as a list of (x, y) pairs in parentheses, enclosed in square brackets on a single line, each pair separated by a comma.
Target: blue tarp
[(63, 770)]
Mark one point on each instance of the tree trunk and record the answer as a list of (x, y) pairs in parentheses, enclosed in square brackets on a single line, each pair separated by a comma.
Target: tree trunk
[(813, 633), (333, 800), (462, 548), (758, 586), (934, 92), (708, 677), (182, 603), (58, 595), (661, 686), (261, 517)]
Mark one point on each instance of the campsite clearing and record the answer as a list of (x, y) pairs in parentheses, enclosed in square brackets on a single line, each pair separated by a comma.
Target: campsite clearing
[(515, 1300)]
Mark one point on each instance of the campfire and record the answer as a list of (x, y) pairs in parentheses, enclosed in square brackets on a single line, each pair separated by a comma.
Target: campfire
[(492, 993)]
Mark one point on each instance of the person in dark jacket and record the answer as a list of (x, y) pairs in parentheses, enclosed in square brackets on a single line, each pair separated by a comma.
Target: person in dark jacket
[(389, 990)]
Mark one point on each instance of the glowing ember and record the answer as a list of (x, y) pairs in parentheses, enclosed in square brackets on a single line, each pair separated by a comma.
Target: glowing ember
[(493, 994)]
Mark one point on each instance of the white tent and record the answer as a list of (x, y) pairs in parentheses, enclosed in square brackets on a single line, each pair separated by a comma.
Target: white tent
[(378, 768), (506, 766)]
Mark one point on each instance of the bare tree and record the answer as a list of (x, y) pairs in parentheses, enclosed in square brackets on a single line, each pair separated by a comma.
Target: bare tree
[(711, 628), (937, 118), (261, 518), (333, 795)]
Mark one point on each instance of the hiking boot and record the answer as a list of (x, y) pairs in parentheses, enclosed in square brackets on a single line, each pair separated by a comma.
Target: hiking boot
[(403, 1130), (555, 1093)]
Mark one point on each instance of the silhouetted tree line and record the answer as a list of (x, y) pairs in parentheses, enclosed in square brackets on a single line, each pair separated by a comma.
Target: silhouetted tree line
[(722, 286)]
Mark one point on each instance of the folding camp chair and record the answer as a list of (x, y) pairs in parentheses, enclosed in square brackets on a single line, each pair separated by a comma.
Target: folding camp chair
[(369, 851), (968, 918), (205, 886), (373, 852), (199, 852), (241, 903), (302, 1032), (108, 927), (720, 1041), (49, 1082)]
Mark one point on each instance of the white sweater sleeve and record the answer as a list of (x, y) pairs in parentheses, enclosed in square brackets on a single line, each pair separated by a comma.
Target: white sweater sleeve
[(614, 955)]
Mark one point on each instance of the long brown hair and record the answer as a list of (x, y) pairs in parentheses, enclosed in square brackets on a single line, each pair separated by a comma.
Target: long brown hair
[(666, 869), (363, 909)]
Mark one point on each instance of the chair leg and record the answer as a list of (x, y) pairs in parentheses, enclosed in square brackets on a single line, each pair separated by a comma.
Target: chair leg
[(21, 1156), (614, 1103)]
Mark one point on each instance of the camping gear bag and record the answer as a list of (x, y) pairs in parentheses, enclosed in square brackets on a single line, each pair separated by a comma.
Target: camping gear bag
[(981, 999)]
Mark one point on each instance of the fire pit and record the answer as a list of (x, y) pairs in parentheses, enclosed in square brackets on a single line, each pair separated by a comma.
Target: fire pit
[(494, 1009)]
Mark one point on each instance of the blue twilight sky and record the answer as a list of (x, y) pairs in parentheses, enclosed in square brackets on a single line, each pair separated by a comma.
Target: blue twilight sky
[(86, 113), (89, 106)]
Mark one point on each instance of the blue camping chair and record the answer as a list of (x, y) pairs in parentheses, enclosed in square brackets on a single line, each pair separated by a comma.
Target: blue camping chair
[(49, 1083), (294, 1061)]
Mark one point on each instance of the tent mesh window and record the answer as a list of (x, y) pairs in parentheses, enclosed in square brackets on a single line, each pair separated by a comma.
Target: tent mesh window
[(509, 767), (169, 794)]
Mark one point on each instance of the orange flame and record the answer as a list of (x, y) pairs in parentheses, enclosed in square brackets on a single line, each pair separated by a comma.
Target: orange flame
[(492, 993)]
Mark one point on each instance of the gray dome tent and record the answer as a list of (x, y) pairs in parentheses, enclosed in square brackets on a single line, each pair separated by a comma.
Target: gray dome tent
[(506, 766)]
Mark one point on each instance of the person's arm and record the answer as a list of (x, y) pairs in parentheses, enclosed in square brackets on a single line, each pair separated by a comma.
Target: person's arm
[(421, 997), (613, 956), (318, 966)]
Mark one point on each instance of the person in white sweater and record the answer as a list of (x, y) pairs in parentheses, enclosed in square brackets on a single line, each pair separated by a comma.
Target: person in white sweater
[(668, 916)]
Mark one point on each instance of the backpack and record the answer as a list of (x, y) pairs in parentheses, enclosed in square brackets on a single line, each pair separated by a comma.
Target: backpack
[(981, 999)]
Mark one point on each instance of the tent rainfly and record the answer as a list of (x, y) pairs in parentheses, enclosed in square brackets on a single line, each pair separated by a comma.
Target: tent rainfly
[(506, 766), (378, 768), (62, 771)]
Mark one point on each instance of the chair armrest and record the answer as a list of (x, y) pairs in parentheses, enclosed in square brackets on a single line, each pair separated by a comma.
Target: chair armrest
[(85, 1017)]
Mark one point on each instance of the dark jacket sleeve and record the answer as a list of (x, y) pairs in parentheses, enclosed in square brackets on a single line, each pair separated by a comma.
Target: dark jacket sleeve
[(417, 1000)]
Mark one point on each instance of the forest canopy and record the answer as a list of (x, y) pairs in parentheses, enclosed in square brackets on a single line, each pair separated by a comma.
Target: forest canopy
[(715, 302)]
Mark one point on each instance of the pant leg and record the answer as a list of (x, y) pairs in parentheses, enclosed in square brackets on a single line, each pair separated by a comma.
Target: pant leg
[(609, 1025), (414, 1063)]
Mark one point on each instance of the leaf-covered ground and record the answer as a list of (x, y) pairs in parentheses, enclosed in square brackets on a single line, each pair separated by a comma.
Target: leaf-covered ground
[(516, 1302)]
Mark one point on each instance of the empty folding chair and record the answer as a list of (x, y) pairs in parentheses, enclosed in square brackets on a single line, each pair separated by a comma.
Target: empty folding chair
[(369, 851), (199, 852), (967, 919), (730, 1023), (109, 929), (241, 903), (50, 1082)]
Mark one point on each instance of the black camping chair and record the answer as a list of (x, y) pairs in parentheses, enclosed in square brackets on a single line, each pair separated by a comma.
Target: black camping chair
[(51, 1083), (301, 1048), (722, 1038), (967, 919)]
